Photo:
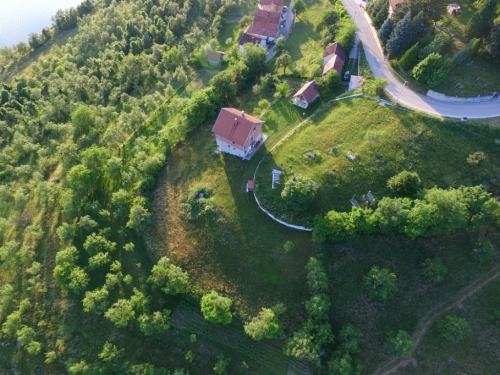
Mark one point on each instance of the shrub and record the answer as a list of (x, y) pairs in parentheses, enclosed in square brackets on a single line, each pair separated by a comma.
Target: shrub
[(409, 58), (484, 250), (380, 284), (288, 246), (299, 192), (216, 309), (264, 326), (434, 269), (399, 344), (198, 203), (405, 184), (476, 158), (431, 70), (453, 328)]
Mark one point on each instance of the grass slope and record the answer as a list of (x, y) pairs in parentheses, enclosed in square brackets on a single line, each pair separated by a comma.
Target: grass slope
[(385, 141)]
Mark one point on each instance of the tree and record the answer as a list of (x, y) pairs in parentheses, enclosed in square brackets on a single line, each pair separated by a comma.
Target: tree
[(264, 326), (435, 46), (96, 301), (299, 7), (156, 323), (318, 307), (350, 338), (316, 276), (405, 184), (492, 42), (96, 243), (109, 352), (484, 250), (222, 365), (328, 18), (382, 15), (299, 192), (254, 58), (168, 277), (434, 269), (121, 313), (346, 35), (83, 119), (399, 344), (79, 280), (343, 364), (401, 37), (283, 60), (65, 263), (481, 21), (379, 283), (409, 58), (453, 328), (301, 346), (137, 217), (386, 30), (216, 309), (279, 46), (432, 70), (476, 158)]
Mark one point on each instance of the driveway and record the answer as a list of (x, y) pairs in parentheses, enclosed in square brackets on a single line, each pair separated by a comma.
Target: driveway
[(411, 99)]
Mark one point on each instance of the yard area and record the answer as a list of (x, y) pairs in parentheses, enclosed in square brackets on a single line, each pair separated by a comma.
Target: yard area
[(240, 251), (384, 141)]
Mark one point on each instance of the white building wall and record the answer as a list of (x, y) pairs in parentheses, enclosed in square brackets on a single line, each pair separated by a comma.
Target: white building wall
[(229, 149)]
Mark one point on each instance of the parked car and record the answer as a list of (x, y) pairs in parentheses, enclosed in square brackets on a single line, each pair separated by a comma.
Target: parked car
[(347, 75)]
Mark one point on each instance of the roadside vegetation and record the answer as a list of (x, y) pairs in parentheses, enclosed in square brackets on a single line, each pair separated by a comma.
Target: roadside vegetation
[(456, 54)]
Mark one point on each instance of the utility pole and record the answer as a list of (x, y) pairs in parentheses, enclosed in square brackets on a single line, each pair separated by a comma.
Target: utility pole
[(402, 88)]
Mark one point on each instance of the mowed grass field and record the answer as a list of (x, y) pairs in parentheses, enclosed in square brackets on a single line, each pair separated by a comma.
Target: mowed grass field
[(384, 141)]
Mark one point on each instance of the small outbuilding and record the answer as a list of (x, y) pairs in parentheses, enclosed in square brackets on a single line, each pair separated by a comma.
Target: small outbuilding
[(250, 185), (306, 95), (248, 37), (454, 9), (215, 57)]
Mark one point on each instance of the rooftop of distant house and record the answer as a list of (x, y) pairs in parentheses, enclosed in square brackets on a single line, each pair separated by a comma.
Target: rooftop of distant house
[(396, 3), (266, 23), (234, 125), (334, 63), (250, 38), (335, 49), (276, 2)]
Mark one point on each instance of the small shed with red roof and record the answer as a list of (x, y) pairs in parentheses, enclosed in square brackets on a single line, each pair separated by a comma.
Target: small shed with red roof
[(306, 95), (238, 133)]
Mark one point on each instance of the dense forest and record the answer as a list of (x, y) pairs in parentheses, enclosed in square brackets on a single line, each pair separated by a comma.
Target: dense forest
[(75, 169)]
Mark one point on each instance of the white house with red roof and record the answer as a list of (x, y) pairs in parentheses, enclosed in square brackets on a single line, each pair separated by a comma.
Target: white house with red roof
[(267, 24), (306, 95), (238, 133)]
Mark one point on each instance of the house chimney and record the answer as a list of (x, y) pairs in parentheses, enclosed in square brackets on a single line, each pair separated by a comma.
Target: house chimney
[(243, 113), (267, 14), (235, 121)]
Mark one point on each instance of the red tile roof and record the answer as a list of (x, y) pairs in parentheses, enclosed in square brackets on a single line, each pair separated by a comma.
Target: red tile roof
[(335, 49), (395, 3), (250, 38), (266, 23), (308, 91), (334, 63), (234, 125), (276, 2)]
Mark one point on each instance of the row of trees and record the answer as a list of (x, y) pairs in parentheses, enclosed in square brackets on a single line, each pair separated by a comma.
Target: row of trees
[(69, 166), (435, 212)]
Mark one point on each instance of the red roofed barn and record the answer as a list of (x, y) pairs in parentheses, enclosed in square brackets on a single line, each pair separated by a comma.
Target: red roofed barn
[(306, 95), (237, 133)]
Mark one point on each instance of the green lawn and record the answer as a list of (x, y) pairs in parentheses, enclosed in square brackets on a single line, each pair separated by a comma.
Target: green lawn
[(384, 141)]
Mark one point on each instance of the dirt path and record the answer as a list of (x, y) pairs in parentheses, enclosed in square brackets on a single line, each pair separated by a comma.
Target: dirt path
[(428, 319)]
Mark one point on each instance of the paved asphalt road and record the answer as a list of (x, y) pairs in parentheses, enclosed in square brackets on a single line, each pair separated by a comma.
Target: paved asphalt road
[(395, 88)]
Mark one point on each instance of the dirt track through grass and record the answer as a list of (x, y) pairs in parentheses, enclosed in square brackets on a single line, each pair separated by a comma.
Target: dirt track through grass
[(427, 320)]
